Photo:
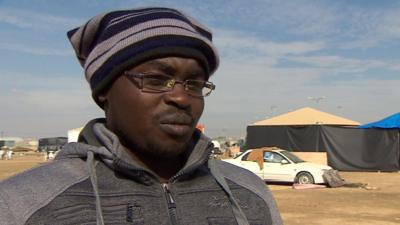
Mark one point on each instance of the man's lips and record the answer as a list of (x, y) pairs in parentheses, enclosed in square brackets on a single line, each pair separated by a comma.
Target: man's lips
[(176, 124), (176, 130), (176, 118)]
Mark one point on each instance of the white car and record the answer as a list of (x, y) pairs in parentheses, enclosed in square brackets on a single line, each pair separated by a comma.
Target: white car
[(278, 165)]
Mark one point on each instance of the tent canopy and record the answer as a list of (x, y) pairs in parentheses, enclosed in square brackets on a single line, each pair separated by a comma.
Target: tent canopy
[(306, 116), (389, 122)]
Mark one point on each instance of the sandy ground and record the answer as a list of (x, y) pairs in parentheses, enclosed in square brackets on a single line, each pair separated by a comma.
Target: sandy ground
[(379, 205), (20, 163)]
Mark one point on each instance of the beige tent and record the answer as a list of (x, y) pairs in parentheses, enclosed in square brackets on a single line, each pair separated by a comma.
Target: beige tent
[(306, 116)]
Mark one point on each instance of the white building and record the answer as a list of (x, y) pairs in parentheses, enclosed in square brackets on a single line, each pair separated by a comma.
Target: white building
[(9, 142), (73, 134)]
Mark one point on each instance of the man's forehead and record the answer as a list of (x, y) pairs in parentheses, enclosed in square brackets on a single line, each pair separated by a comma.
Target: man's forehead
[(169, 65), (160, 64)]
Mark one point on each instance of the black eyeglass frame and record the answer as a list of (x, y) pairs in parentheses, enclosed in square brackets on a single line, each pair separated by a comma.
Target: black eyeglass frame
[(206, 84)]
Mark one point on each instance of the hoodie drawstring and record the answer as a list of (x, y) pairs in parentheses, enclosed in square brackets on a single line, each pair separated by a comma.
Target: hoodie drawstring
[(90, 162)]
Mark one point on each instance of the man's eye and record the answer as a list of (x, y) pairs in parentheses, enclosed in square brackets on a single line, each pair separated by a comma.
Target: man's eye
[(156, 79), (195, 85), (154, 82)]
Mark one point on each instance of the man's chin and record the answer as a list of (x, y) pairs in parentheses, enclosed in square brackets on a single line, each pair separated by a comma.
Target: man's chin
[(166, 150), (157, 149), (160, 146)]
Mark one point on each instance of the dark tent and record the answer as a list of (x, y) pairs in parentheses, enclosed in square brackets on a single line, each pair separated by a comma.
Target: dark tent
[(390, 122), (348, 148)]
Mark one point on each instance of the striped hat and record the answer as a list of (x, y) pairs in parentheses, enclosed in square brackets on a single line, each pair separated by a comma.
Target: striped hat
[(113, 42)]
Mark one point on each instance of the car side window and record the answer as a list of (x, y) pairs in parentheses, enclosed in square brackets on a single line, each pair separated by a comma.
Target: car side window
[(272, 157)]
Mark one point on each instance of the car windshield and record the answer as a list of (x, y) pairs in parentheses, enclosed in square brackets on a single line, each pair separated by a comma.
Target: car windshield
[(291, 156)]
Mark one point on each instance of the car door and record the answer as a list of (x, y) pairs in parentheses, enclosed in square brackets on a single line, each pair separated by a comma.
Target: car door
[(274, 169), (252, 166)]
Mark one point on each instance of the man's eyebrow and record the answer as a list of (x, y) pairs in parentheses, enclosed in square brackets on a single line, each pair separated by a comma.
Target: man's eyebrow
[(165, 67), (195, 73), (170, 70)]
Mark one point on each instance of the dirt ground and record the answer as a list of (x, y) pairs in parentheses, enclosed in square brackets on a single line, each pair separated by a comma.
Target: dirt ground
[(377, 205), (20, 163)]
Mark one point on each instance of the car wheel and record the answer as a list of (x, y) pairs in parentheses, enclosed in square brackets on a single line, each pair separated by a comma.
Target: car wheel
[(304, 178)]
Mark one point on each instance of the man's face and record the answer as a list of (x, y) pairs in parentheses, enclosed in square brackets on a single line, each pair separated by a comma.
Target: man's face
[(157, 124)]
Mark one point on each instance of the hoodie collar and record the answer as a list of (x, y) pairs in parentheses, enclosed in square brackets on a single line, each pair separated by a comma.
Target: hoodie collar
[(105, 145)]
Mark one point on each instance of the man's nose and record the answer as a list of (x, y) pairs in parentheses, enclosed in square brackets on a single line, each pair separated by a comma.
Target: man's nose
[(178, 96)]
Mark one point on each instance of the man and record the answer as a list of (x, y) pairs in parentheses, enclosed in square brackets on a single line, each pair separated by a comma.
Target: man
[(145, 163)]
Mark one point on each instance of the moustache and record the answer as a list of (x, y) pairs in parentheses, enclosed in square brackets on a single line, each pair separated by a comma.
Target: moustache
[(181, 118)]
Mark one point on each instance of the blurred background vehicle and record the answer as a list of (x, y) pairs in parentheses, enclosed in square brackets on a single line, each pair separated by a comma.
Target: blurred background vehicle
[(278, 165)]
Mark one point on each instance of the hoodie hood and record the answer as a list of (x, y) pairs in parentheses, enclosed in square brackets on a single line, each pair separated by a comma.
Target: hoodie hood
[(105, 146)]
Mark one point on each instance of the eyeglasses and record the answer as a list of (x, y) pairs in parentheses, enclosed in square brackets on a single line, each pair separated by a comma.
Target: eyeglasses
[(163, 83)]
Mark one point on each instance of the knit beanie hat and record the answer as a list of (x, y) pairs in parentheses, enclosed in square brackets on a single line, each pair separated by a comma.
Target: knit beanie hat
[(110, 43)]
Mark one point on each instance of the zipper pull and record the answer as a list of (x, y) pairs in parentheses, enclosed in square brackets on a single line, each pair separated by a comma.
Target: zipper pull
[(170, 199)]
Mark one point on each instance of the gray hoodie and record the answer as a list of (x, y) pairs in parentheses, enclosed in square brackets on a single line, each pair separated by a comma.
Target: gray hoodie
[(95, 181)]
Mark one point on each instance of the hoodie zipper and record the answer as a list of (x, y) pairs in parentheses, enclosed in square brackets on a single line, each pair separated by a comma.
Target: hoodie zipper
[(171, 204), (189, 169), (167, 192)]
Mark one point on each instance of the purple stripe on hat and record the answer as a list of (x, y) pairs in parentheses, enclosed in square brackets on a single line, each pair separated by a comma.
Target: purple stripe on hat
[(141, 31), (148, 45), (127, 13), (126, 24), (133, 13), (190, 21), (83, 34), (117, 45), (106, 45)]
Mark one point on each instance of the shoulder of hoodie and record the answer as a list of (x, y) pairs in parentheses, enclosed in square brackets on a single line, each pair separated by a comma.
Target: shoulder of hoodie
[(252, 182), (23, 194)]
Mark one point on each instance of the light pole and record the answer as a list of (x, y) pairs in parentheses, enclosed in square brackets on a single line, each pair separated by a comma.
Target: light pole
[(316, 99), (272, 108), (340, 108)]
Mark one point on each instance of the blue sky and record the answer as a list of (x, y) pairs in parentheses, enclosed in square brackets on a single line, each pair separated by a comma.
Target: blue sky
[(275, 55)]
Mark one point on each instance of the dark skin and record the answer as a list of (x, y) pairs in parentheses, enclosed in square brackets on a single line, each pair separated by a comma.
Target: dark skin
[(157, 128)]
